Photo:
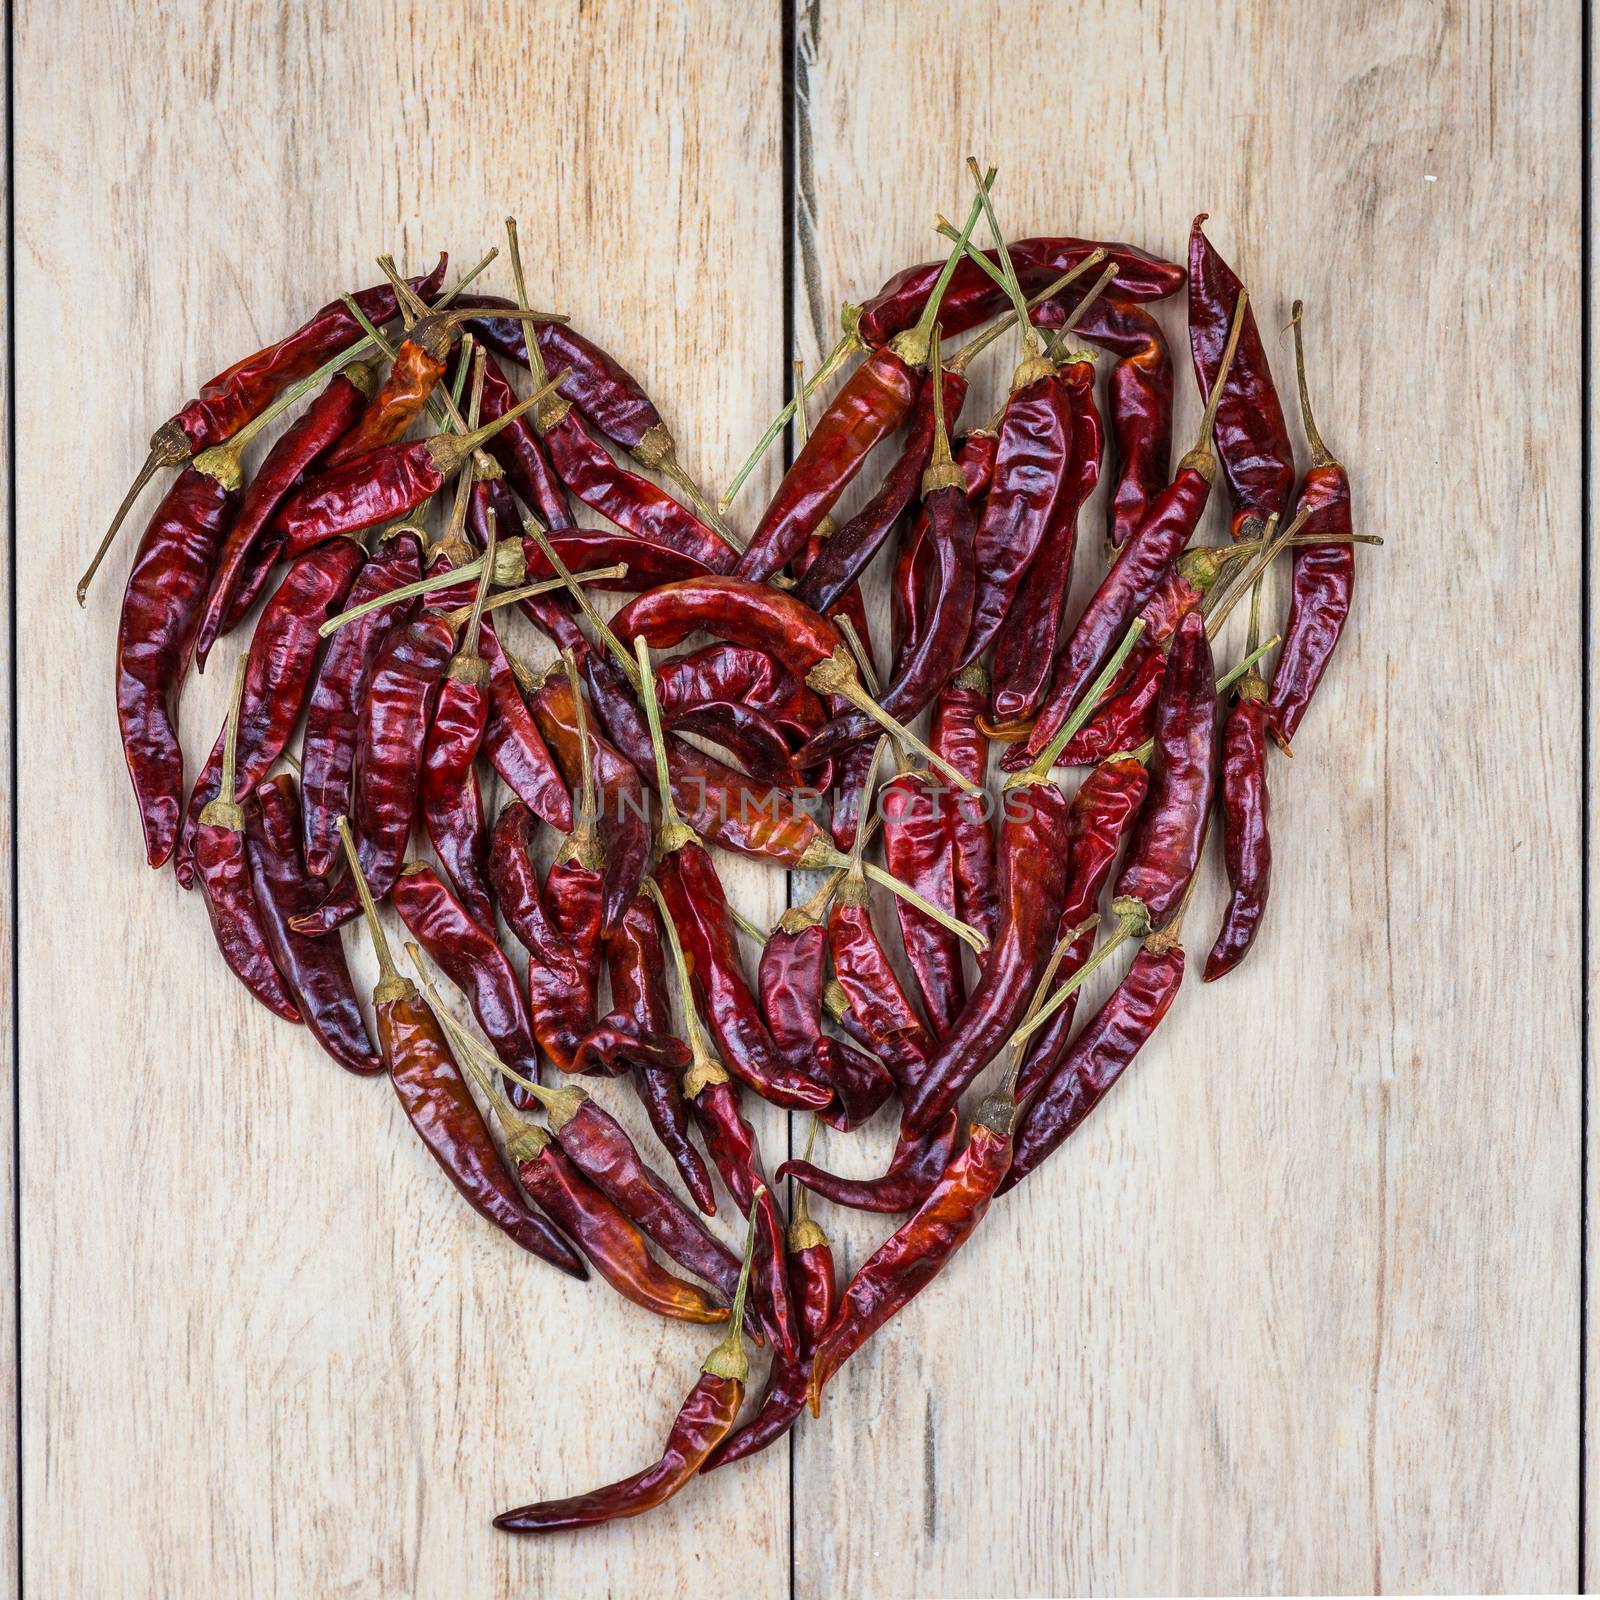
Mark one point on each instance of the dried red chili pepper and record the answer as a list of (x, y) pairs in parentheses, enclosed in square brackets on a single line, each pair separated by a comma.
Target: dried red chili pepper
[(1103, 810), (155, 636), (916, 810), (731, 1143), (1246, 843), (243, 568), (1104, 1047), (392, 726), (278, 675), (639, 1000), (1135, 574), (315, 969), (914, 1168), (471, 959), (694, 896), (1252, 437), (955, 734), (871, 405), (438, 1103), (521, 455), (702, 1422), (333, 714), (383, 484), (230, 894), (233, 398), (647, 562), (1324, 574)]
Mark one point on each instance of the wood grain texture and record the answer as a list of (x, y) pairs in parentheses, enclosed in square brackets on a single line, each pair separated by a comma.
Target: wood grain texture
[(269, 1347), (1296, 1310)]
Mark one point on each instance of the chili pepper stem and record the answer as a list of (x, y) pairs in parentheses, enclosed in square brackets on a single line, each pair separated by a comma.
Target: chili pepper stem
[(224, 811), (904, 891), (1273, 548), (673, 832), (467, 649), (483, 1061), (849, 342), (727, 1358), (1039, 772), (169, 447), (703, 1068), (1101, 284), (1321, 456), (583, 843), (390, 985), (973, 347), (630, 669), (999, 1110), (1143, 752), (450, 450), (912, 345), (1200, 459), (1133, 922), (520, 286)]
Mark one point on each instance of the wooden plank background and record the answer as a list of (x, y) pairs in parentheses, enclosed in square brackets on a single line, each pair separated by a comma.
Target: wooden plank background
[(1300, 1308)]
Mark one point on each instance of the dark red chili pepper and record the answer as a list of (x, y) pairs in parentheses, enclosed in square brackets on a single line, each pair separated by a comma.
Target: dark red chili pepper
[(624, 833), (317, 973), (522, 456), (648, 562), (1246, 843), (1136, 573), (514, 745), (914, 1255), (1025, 643), (913, 1170), (1105, 1045), (1165, 849), (972, 296), (849, 552), (916, 810), (328, 749), (1103, 810), (471, 959), (725, 674), (278, 676), (393, 724), (955, 734), (639, 1000), (381, 485), (438, 1102), (155, 636), (235, 397), (1252, 437), (947, 536), (1324, 574), (702, 1422), (230, 894), (244, 565)]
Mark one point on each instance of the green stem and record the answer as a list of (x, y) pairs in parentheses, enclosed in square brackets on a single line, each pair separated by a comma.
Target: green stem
[(1039, 772)]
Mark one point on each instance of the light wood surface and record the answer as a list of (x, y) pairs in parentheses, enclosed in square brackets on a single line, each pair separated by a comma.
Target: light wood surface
[(1299, 1308)]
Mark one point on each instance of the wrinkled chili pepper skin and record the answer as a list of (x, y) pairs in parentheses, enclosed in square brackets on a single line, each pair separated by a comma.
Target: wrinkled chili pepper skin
[(236, 920), (1135, 576), (1025, 644), (1030, 469), (624, 833), (575, 894), (731, 1143), (244, 391), (1251, 436), (377, 487), (1246, 841), (848, 553), (1321, 590), (649, 562), (514, 745), (412, 378), (915, 1254), (613, 1246), (516, 447), (956, 736), (916, 810), (392, 726), (1123, 720), (317, 973), (694, 894), (705, 1418), (972, 297), (864, 971), (1103, 810), (328, 749), (639, 997), (1033, 871), (441, 1108), (1107, 1043), (155, 636), (949, 539), (293, 454), (471, 959), (734, 674), (452, 803), (871, 405), (600, 1148), (1167, 839), (915, 1167), (278, 674)]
